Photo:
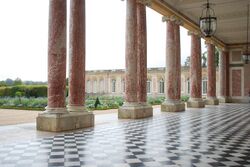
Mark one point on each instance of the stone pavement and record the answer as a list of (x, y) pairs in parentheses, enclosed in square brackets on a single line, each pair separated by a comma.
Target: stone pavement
[(207, 137)]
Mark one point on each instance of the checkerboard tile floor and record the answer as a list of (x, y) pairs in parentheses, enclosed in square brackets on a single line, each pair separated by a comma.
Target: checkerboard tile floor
[(213, 136)]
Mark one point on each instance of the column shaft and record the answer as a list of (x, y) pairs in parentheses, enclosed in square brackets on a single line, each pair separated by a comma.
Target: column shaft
[(211, 71), (178, 61), (77, 55), (223, 77), (130, 53), (57, 56), (173, 69), (195, 73), (141, 54), (211, 79)]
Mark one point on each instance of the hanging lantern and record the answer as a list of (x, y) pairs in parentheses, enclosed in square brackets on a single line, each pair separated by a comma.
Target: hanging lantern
[(208, 21)]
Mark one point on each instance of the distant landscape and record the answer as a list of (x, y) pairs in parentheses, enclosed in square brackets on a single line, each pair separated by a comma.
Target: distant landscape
[(32, 95)]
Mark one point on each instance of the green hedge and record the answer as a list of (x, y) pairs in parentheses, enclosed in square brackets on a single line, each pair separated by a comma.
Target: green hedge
[(25, 90)]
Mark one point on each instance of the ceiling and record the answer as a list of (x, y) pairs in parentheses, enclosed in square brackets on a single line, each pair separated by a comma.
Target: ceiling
[(231, 17)]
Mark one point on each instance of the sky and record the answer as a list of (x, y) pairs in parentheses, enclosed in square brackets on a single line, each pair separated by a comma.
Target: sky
[(24, 38)]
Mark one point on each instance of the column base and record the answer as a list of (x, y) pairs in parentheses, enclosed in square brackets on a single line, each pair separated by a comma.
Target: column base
[(71, 108), (172, 106), (195, 103), (135, 111), (224, 99), (212, 101), (58, 122)]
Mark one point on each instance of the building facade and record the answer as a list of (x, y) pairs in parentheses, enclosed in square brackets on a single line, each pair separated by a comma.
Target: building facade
[(112, 82)]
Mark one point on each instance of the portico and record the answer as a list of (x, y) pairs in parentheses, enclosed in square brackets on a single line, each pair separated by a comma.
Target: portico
[(234, 81)]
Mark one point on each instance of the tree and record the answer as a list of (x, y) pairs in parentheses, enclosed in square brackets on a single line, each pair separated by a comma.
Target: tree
[(19, 95), (18, 81), (204, 57), (97, 102), (9, 81), (217, 56), (187, 62), (3, 83)]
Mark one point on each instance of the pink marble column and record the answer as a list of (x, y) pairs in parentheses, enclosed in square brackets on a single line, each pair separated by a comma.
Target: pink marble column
[(57, 56), (224, 76), (135, 105), (141, 54), (211, 72), (56, 118), (77, 55), (178, 60), (195, 100), (172, 71), (173, 68), (195, 67), (130, 53)]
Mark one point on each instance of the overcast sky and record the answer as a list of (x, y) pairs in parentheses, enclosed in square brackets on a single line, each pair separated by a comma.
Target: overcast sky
[(24, 29)]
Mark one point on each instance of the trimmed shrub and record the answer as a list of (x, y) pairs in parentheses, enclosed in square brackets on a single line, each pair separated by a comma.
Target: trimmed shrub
[(25, 91), (184, 98), (155, 100)]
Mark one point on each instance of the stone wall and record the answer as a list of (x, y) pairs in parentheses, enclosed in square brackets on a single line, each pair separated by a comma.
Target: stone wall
[(239, 77)]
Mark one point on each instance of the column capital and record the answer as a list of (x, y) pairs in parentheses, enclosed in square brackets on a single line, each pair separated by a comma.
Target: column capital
[(209, 41), (145, 2), (172, 18), (197, 33)]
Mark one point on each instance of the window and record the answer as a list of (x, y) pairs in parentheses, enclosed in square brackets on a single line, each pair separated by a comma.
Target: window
[(88, 86), (204, 86), (161, 86), (113, 85), (148, 86), (101, 86), (188, 86), (95, 87), (123, 86)]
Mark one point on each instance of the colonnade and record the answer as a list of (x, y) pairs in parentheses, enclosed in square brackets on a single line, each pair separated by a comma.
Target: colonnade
[(58, 117)]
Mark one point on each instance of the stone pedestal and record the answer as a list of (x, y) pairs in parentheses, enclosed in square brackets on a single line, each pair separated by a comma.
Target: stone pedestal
[(135, 111), (212, 101), (173, 106), (196, 103), (223, 99), (64, 121)]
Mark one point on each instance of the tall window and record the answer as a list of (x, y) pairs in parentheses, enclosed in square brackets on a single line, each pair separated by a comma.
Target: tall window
[(161, 86), (148, 86), (188, 86), (95, 87), (123, 86), (101, 86), (204, 86), (113, 85), (88, 86)]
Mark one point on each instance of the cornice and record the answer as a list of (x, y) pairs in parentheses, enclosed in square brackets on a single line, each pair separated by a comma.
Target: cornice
[(166, 10)]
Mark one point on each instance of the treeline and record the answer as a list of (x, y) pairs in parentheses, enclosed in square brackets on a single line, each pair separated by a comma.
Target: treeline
[(18, 81)]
